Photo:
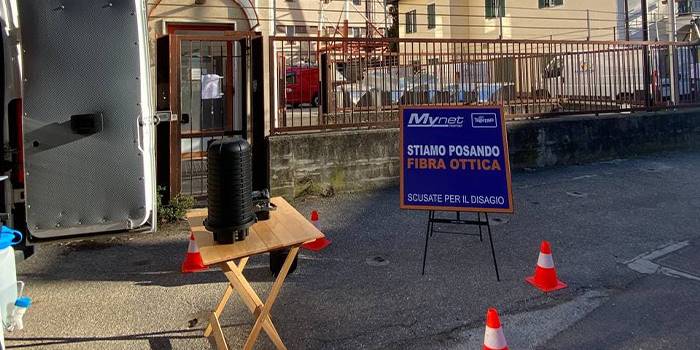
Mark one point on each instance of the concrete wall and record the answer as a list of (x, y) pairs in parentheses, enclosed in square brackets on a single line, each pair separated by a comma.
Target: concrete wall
[(350, 161), (565, 141), (325, 163)]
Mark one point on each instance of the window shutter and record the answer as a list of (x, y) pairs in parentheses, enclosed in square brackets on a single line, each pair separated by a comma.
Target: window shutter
[(408, 22), (502, 10), (431, 16), (490, 10), (542, 3), (415, 21)]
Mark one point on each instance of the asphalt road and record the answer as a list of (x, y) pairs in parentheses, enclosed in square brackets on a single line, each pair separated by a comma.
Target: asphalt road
[(605, 222)]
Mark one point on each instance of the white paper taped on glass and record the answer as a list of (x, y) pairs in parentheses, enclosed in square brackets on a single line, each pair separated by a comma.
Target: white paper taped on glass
[(211, 86)]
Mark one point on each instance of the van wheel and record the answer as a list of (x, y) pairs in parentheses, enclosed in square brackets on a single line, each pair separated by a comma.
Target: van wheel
[(316, 100)]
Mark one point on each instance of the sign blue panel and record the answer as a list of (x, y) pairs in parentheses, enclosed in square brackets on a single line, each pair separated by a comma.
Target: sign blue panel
[(455, 159)]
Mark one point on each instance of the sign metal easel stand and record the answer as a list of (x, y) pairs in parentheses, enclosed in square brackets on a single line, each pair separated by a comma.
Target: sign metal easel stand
[(432, 220)]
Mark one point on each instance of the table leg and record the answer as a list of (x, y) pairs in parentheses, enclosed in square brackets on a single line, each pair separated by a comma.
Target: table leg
[(252, 301), (222, 303), (215, 327), (219, 309), (274, 291)]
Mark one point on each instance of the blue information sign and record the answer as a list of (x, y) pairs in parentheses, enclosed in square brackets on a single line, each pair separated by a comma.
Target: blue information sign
[(455, 159)]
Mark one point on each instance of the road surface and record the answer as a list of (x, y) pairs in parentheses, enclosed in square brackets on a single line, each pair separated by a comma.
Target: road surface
[(624, 234)]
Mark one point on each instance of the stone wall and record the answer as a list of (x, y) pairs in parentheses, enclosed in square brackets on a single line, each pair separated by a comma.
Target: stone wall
[(325, 163), (348, 161)]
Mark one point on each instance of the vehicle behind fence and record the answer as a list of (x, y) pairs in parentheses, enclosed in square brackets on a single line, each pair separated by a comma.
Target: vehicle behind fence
[(332, 83)]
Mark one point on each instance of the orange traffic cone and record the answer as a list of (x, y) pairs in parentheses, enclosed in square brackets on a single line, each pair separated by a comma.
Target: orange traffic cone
[(545, 277), (193, 260), (493, 336), (320, 243)]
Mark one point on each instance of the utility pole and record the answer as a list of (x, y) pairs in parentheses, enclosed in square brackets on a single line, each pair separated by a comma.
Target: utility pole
[(368, 17), (627, 20), (588, 24), (346, 28), (645, 22), (500, 19), (672, 50), (645, 59)]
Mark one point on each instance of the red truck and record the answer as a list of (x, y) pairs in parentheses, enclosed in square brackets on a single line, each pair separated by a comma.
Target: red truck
[(302, 86)]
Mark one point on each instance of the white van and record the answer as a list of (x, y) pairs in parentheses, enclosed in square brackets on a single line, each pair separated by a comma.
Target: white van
[(617, 74), (77, 119)]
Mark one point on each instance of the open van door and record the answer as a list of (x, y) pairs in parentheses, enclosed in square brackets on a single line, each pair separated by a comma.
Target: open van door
[(88, 121)]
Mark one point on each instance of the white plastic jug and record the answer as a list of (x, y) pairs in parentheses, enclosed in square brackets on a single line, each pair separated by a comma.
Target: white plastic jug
[(8, 273)]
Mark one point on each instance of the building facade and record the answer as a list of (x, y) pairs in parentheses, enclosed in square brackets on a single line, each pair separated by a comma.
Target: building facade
[(511, 19)]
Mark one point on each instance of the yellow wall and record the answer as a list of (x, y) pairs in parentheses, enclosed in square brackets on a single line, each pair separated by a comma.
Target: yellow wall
[(462, 19), (443, 20)]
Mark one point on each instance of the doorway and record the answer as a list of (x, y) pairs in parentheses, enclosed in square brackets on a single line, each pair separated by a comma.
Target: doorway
[(207, 91)]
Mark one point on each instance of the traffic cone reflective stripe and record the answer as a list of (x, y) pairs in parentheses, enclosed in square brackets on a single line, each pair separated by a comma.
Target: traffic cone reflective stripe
[(545, 261), (192, 246), (193, 259), (545, 277), (494, 339), (320, 243)]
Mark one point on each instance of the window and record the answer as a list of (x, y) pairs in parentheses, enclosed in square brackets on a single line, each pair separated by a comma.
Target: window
[(290, 30), (550, 3), (495, 8), (431, 16), (411, 25), (355, 32), (356, 2), (291, 78)]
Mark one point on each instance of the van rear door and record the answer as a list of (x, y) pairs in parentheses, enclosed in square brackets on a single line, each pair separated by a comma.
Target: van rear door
[(88, 120)]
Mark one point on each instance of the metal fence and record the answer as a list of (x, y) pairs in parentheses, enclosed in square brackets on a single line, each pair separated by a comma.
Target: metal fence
[(331, 83)]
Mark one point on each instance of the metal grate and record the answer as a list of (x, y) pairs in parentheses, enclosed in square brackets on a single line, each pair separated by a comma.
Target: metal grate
[(209, 106)]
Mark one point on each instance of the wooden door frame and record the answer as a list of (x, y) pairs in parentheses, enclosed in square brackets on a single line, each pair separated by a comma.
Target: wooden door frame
[(228, 34)]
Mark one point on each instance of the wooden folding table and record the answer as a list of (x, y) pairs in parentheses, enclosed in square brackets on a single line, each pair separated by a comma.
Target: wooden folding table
[(286, 228)]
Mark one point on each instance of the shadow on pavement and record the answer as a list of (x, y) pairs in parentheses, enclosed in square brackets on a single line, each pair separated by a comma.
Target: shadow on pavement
[(150, 260), (157, 340)]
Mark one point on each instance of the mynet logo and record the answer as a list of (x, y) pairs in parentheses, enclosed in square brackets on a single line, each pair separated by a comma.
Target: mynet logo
[(484, 120), (425, 120)]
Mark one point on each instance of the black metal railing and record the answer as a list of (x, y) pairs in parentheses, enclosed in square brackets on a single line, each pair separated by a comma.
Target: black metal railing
[(335, 83)]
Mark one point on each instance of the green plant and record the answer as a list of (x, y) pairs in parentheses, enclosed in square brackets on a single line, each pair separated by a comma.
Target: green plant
[(176, 209)]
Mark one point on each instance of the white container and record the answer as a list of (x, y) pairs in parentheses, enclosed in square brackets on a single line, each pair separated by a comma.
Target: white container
[(21, 306), (8, 274), (8, 284)]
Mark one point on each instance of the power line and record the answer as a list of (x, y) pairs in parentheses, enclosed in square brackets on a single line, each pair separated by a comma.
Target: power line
[(436, 5), (362, 23), (449, 15)]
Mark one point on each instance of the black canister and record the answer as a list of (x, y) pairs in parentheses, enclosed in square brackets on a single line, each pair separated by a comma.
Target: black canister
[(229, 189)]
